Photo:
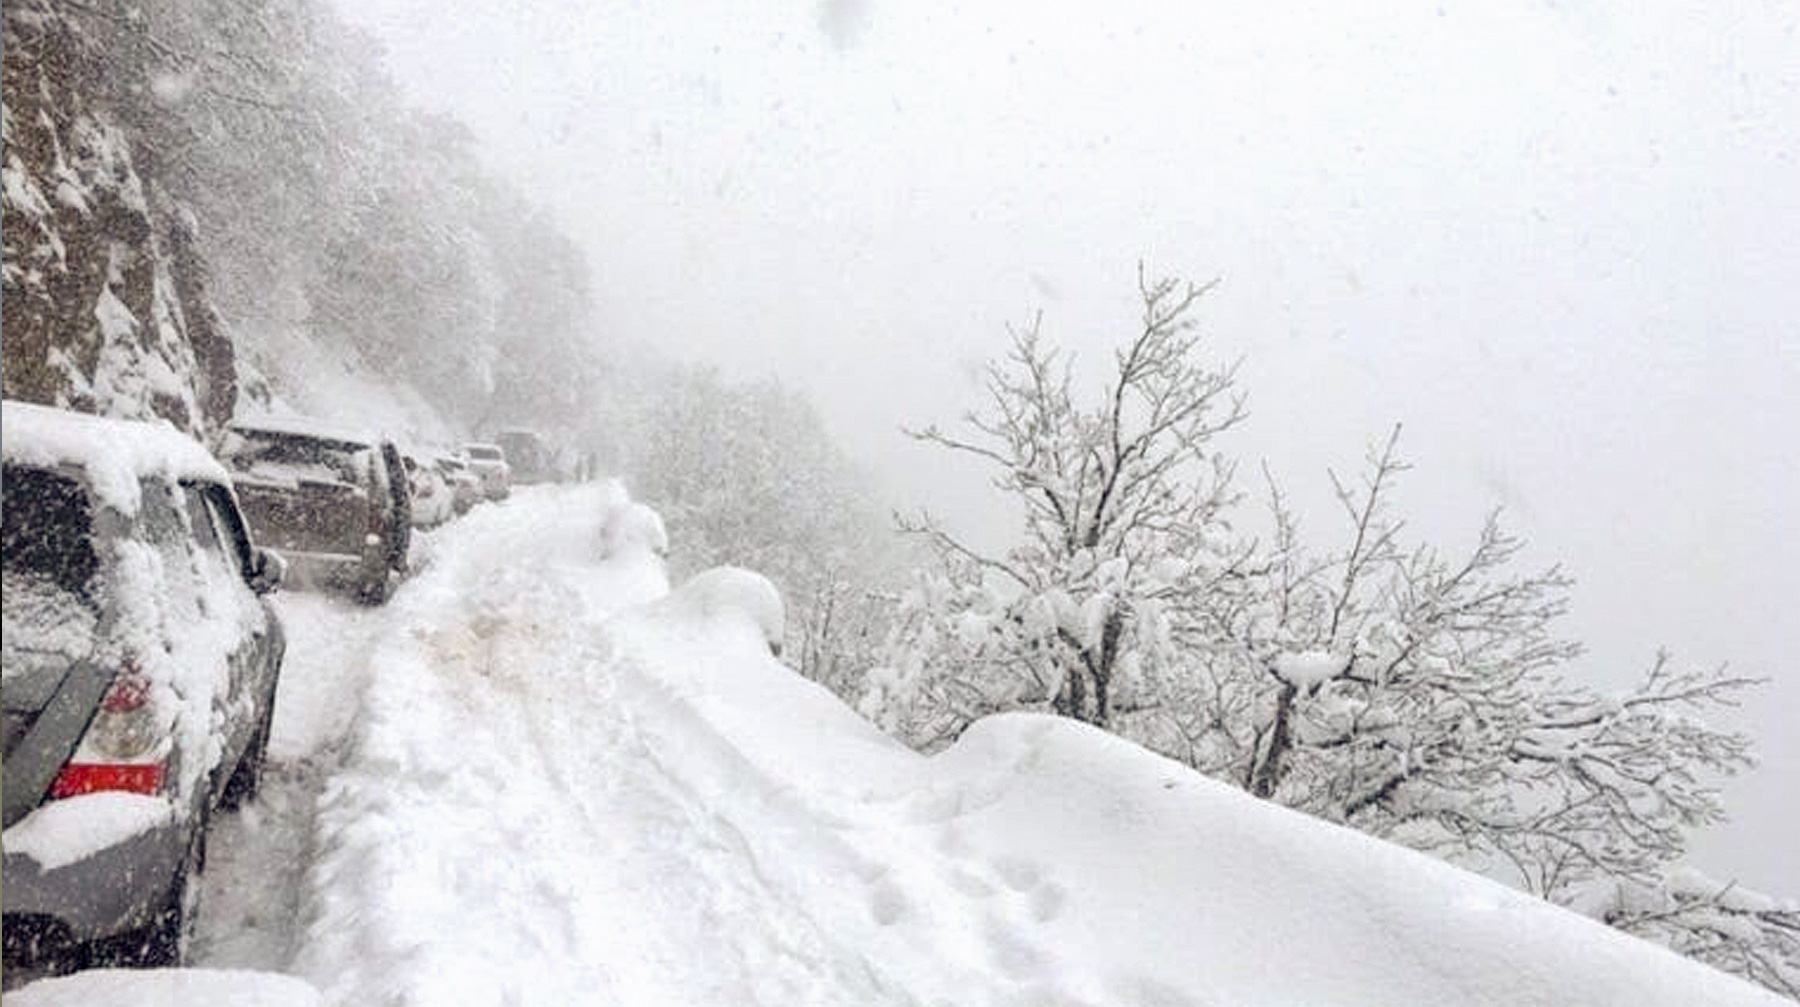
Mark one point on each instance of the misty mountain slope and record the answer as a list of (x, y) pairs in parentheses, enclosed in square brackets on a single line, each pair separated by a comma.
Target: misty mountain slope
[(565, 785), (203, 198)]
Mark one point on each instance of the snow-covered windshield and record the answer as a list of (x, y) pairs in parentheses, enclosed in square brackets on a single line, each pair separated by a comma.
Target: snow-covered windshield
[(278, 455), (49, 573)]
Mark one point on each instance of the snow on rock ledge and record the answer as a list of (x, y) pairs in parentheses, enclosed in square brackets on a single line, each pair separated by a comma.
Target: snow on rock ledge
[(105, 290)]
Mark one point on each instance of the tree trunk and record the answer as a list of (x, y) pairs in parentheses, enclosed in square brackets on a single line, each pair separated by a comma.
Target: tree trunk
[(1270, 769), (1072, 694), (1086, 690)]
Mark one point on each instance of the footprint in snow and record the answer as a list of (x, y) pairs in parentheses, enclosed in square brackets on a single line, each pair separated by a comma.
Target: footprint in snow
[(887, 904)]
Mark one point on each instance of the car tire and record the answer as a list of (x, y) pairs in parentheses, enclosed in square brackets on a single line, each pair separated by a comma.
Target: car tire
[(375, 590), (164, 942), (247, 777)]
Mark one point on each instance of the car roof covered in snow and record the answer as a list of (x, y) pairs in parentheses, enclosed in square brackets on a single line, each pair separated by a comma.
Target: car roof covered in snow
[(304, 426), (114, 453)]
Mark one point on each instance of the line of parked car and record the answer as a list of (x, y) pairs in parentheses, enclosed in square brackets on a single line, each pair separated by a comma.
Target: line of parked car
[(340, 505), (141, 655)]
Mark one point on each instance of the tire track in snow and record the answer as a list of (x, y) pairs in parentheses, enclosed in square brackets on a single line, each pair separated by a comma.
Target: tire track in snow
[(250, 891), (501, 830)]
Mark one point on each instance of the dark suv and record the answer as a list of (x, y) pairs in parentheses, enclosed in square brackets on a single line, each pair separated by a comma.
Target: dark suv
[(335, 504), (140, 668)]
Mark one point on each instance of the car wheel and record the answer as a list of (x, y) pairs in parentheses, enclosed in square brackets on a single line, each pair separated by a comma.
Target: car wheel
[(165, 941), (375, 590), (247, 777)]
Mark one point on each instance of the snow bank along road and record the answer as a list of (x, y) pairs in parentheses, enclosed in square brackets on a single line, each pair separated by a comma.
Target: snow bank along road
[(540, 778)]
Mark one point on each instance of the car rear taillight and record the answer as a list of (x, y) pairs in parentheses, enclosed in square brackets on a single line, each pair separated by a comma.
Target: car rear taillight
[(120, 750), (79, 778)]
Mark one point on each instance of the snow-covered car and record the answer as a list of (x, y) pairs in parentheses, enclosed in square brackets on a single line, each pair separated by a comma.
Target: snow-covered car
[(334, 503), (488, 462), (465, 485), (433, 502), (140, 668)]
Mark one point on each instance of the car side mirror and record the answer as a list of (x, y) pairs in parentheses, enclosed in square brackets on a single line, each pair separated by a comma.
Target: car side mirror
[(267, 570)]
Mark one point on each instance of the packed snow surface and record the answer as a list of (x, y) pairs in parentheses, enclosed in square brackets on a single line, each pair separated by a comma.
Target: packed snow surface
[(542, 780), (731, 594), (631, 527)]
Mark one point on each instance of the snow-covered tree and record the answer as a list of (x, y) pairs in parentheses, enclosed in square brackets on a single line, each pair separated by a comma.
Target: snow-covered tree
[(1413, 692), (1124, 499), (1425, 697), (1724, 924)]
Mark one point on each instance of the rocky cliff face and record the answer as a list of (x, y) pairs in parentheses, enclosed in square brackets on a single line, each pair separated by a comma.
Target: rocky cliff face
[(104, 301)]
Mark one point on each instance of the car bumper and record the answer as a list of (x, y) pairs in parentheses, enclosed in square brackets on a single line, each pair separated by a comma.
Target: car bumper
[(116, 887), (332, 569)]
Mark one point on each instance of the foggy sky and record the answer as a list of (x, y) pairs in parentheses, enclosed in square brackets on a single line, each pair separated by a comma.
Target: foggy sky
[(1560, 242)]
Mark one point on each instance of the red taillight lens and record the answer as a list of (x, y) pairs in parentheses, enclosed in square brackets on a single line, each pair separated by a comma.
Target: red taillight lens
[(125, 727), (122, 748), (79, 778)]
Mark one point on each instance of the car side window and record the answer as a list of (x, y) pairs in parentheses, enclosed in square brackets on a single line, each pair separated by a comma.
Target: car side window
[(164, 524), (229, 522), (216, 541), (200, 520), (169, 531)]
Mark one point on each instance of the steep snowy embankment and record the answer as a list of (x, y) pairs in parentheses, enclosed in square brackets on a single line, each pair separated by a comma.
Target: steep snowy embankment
[(563, 796), (566, 786)]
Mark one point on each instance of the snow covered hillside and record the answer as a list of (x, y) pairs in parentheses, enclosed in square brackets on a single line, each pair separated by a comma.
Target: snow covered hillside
[(541, 777)]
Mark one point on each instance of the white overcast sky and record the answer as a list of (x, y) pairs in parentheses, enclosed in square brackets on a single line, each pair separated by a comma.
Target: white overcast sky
[(1559, 241)]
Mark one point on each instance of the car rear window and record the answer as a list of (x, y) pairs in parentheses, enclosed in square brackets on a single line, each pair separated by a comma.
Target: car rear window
[(48, 569), (298, 457), (48, 528), (484, 454)]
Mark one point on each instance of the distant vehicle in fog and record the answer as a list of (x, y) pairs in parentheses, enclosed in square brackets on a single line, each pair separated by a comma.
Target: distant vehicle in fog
[(433, 501), (140, 673), (335, 504), (465, 485), (530, 457), (488, 462)]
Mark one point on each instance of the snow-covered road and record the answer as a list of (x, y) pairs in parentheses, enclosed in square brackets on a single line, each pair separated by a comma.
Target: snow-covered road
[(503, 828), (537, 777), (480, 794)]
